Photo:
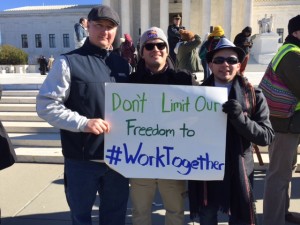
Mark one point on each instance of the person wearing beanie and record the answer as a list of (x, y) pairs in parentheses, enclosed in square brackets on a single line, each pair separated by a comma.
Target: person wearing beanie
[(283, 150), (247, 123), (156, 67), (173, 34), (209, 45), (72, 100), (187, 56), (243, 41)]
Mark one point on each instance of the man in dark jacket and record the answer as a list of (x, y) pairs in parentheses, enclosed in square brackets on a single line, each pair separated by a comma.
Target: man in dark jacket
[(248, 122), (174, 35), (283, 150), (243, 41), (72, 99), (155, 67)]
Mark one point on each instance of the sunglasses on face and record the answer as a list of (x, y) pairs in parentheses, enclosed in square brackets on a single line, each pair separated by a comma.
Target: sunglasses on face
[(230, 60), (150, 46)]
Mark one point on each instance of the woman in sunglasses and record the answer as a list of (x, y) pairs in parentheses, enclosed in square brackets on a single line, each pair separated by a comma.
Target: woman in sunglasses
[(155, 67), (248, 122)]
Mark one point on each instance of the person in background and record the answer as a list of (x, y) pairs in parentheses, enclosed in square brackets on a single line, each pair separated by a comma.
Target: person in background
[(43, 65), (202, 56), (187, 51), (155, 67), (243, 41), (50, 62), (247, 122), (173, 35), (127, 50), (72, 99), (209, 45), (80, 32), (283, 150)]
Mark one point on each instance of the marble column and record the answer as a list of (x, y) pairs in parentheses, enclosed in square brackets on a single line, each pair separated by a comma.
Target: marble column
[(248, 13), (227, 18), (206, 17), (106, 2), (186, 13), (125, 17), (145, 15), (164, 15)]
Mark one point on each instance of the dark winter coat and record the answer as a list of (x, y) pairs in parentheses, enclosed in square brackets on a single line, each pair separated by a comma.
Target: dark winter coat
[(234, 193)]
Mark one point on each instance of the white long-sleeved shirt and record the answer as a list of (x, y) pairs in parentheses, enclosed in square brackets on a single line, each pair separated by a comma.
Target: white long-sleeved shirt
[(53, 93)]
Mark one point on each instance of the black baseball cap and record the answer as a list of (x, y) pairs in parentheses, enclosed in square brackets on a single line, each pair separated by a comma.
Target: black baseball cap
[(104, 12)]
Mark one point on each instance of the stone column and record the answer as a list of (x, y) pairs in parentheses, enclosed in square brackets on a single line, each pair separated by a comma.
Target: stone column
[(248, 9), (145, 15), (186, 13), (206, 17), (125, 17), (164, 15), (227, 18), (106, 2)]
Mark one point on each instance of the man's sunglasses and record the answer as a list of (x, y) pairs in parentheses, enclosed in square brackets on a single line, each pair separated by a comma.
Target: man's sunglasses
[(150, 46), (230, 60)]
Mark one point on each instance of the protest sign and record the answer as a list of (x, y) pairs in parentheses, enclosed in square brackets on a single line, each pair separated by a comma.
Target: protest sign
[(166, 131)]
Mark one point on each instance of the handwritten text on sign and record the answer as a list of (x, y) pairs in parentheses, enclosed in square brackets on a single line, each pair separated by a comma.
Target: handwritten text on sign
[(166, 131)]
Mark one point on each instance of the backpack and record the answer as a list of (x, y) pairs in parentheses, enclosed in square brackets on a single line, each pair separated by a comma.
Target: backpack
[(281, 101)]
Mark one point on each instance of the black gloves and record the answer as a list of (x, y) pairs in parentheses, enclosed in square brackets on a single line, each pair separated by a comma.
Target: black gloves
[(233, 108)]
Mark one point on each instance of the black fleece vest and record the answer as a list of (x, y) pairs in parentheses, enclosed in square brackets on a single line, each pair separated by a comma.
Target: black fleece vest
[(90, 68)]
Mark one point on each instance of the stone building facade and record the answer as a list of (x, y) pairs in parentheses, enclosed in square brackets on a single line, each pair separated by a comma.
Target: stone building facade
[(49, 30)]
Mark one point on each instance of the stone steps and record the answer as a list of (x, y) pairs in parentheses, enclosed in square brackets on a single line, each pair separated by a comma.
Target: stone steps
[(29, 127), (34, 139), (20, 116)]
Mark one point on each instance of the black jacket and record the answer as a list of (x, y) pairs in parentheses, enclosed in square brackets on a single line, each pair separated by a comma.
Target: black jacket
[(90, 68), (169, 76), (234, 193), (7, 152)]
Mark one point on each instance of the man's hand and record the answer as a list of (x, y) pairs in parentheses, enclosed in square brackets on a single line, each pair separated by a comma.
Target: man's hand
[(233, 108), (97, 126)]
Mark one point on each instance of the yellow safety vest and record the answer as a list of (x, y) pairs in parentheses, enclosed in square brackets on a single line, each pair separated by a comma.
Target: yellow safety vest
[(283, 50)]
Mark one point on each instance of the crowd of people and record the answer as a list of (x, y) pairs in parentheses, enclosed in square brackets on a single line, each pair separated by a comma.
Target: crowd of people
[(72, 99)]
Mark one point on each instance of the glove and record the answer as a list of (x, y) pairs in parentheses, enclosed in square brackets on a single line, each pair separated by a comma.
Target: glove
[(233, 108)]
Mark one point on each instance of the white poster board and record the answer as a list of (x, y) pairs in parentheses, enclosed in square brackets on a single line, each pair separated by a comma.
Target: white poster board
[(166, 131)]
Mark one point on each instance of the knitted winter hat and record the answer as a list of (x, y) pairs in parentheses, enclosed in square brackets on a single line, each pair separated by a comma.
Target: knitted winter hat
[(186, 35), (153, 33), (217, 32), (294, 24)]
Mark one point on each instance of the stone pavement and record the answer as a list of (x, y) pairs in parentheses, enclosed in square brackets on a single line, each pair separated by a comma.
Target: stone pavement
[(33, 194)]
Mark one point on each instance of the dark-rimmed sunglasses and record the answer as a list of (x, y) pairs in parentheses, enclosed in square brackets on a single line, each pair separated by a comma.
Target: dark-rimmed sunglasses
[(230, 60), (150, 46)]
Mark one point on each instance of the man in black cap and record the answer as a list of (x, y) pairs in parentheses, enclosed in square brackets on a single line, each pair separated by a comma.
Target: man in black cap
[(247, 122), (174, 35), (72, 99), (283, 150)]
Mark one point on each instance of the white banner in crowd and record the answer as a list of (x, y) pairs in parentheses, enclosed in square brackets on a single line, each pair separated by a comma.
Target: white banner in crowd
[(166, 131)]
